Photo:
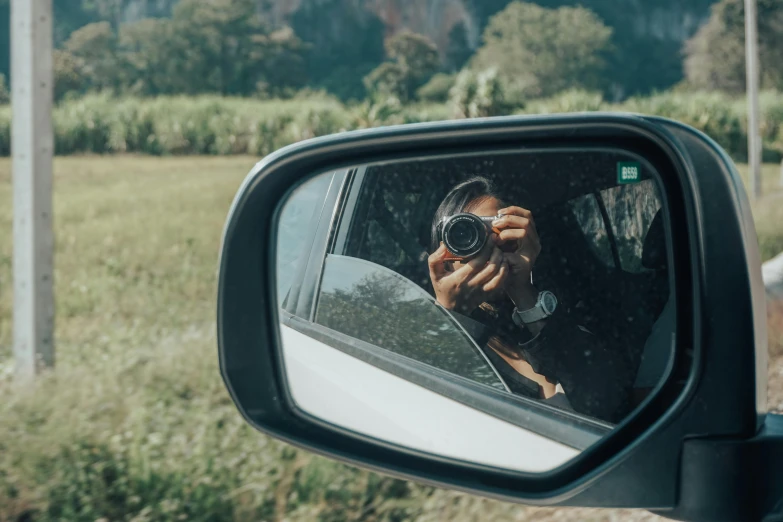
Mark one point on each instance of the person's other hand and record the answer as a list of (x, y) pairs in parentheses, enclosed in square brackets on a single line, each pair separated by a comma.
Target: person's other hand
[(519, 241), (471, 283)]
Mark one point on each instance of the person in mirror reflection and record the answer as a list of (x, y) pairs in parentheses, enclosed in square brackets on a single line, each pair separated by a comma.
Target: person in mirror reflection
[(553, 359)]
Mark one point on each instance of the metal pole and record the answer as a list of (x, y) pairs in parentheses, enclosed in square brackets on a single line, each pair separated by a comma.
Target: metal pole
[(32, 145), (752, 89)]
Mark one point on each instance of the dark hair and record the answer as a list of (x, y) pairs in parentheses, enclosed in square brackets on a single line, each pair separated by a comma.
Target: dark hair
[(462, 198)]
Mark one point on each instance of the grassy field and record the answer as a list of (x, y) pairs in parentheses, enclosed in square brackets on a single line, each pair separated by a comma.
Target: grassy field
[(135, 424)]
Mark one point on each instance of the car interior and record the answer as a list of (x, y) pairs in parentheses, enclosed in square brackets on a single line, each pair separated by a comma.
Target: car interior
[(619, 292)]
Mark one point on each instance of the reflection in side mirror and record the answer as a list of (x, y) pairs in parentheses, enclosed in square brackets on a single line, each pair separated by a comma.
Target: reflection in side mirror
[(506, 309)]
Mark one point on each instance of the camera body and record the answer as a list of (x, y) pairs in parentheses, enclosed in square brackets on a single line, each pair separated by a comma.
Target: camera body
[(465, 234)]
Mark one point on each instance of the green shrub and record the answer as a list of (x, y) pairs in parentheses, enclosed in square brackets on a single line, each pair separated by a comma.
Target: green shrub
[(213, 125), (83, 127), (771, 105), (181, 125), (5, 95), (420, 112), (5, 131), (437, 89), (91, 481), (377, 112), (568, 101), (712, 113), (478, 94)]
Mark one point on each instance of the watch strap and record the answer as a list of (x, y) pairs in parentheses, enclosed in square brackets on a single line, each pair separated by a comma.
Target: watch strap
[(531, 315), (538, 312)]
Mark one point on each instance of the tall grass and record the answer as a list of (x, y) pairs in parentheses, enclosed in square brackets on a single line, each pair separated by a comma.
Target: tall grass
[(223, 126), (135, 424)]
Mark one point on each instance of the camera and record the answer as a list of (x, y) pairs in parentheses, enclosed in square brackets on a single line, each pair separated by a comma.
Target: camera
[(465, 234)]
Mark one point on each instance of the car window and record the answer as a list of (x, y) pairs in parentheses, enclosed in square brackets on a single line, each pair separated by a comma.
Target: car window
[(394, 225), (595, 258), (300, 215), (631, 209), (376, 305), (587, 212), (629, 212)]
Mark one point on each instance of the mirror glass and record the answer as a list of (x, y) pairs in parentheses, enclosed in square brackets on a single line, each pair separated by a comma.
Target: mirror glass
[(507, 308)]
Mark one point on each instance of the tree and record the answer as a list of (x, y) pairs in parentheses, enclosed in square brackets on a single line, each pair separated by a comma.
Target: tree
[(458, 51), (206, 46), (388, 79), (108, 10), (118, 12), (93, 56), (540, 52), (715, 56), (344, 47), (146, 50), (227, 48), (412, 59), (68, 74), (5, 37), (477, 95), (437, 88), (5, 96), (281, 60)]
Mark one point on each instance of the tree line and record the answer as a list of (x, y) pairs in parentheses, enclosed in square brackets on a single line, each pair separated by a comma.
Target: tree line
[(527, 51)]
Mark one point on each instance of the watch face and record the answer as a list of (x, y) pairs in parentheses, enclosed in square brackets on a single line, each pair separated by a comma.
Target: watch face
[(548, 302)]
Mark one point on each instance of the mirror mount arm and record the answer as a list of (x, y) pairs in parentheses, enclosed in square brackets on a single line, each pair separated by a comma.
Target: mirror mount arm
[(732, 479)]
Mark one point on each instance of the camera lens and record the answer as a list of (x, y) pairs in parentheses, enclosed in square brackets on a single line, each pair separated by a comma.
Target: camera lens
[(463, 235)]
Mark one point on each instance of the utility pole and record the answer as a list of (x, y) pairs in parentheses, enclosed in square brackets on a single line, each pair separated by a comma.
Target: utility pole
[(752, 89), (32, 147)]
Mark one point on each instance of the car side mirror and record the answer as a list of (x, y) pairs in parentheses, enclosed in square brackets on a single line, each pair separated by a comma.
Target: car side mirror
[(551, 310)]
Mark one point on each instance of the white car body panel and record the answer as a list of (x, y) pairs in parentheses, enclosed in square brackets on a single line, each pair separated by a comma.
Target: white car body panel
[(350, 393)]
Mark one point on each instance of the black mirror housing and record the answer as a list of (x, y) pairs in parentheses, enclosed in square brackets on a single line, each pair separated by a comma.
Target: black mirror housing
[(721, 323)]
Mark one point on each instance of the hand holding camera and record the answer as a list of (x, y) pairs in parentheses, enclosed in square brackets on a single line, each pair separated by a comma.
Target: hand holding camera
[(518, 238), (478, 280), (493, 253)]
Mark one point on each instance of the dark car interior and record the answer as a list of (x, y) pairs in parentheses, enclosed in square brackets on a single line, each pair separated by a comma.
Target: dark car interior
[(392, 222)]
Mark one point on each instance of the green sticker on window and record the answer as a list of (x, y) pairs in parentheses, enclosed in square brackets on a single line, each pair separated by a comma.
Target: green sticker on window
[(629, 172)]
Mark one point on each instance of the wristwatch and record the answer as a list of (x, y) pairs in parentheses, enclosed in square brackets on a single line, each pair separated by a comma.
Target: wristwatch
[(545, 306)]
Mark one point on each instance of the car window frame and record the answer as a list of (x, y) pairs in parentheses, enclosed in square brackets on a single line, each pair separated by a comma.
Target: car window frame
[(610, 235), (299, 300)]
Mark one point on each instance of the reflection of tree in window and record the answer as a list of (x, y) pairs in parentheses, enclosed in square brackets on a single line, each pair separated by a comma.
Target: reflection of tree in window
[(630, 210), (588, 215), (381, 308)]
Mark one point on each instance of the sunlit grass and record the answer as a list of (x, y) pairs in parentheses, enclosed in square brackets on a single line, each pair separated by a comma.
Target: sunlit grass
[(768, 211), (136, 257), (136, 413)]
